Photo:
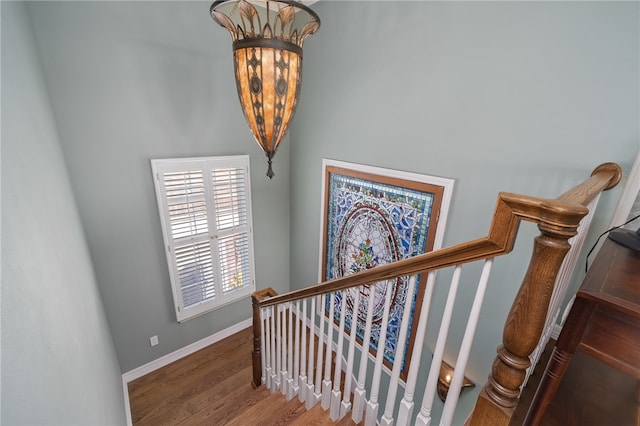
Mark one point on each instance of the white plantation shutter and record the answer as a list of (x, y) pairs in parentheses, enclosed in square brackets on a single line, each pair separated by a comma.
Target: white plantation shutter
[(234, 250), (205, 210), (234, 258), (195, 273)]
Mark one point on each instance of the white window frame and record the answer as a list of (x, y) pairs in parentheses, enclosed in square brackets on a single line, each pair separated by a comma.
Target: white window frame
[(211, 236)]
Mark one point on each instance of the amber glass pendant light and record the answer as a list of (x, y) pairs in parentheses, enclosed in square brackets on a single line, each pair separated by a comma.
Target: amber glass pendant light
[(267, 55)]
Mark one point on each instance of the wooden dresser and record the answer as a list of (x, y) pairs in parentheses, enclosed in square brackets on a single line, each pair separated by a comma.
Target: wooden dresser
[(604, 323)]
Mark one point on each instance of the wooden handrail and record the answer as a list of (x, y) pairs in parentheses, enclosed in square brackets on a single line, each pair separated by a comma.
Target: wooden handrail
[(565, 211), (557, 220)]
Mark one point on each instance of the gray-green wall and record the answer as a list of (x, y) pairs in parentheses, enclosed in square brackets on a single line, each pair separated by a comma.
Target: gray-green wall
[(508, 96), (526, 97), (131, 81), (59, 366)]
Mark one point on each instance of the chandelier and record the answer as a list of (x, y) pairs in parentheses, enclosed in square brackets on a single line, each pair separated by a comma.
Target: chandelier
[(267, 56)]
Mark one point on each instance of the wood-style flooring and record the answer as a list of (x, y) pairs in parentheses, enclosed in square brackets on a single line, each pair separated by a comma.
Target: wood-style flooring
[(213, 387)]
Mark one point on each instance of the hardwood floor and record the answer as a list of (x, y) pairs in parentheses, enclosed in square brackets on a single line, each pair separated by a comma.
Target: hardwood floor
[(213, 387)]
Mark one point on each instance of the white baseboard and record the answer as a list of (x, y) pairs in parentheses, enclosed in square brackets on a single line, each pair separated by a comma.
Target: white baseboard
[(147, 368), (127, 406)]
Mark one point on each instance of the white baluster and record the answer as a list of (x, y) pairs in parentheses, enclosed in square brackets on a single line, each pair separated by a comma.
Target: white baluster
[(465, 348), (346, 400), (263, 348), (405, 411), (387, 418), (310, 399), (318, 390), (360, 394), (283, 365), (326, 383), (267, 351), (302, 384), (336, 395), (371, 414), (275, 349), (424, 417), (293, 389), (290, 393)]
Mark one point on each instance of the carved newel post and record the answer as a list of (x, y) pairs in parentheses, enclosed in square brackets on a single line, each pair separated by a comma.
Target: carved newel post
[(558, 221), (256, 353), (524, 325)]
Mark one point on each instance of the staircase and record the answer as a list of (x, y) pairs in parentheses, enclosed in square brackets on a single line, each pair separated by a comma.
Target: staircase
[(304, 359), (274, 409), (213, 387), (339, 310)]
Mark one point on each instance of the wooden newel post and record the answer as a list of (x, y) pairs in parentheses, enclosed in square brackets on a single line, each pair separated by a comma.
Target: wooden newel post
[(558, 221), (256, 356), (523, 328), (256, 353)]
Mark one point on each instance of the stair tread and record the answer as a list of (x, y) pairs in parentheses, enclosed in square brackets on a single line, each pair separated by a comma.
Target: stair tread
[(317, 416), (272, 410), (213, 386)]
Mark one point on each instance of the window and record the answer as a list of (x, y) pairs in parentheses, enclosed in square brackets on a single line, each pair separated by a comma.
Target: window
[(205, 211)]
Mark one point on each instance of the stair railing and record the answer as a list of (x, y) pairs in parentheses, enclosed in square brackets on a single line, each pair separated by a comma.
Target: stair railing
[(288, 327)]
